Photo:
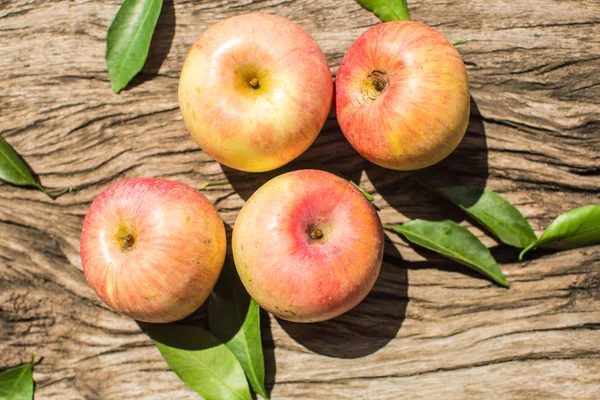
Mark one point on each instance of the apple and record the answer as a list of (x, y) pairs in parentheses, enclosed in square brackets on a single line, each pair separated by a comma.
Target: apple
[(255, 91), (402, 96), (152, 249), (308, 246)]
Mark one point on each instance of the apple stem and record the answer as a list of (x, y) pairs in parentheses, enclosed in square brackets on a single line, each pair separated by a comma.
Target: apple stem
[(375, 84), (378, 84), (253, 83), (55, 194), (316, 234), (129, 240)]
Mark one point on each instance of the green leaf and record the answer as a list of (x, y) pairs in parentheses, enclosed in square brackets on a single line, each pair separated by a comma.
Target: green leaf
[(17, 383), (234, 318), (453, 241), (12, 167), (14, 170), (387, 10), (201, 361), (128, 40), (576, 228), (494, 212)]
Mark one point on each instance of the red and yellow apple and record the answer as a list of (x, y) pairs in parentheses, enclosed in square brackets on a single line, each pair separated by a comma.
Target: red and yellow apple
[(152, 249), (402, 96), (255, 91), (308, 246)]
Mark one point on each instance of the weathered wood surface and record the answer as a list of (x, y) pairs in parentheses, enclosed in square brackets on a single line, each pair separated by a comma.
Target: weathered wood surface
[(430, 329)]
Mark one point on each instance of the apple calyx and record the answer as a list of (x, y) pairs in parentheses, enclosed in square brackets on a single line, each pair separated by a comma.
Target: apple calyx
[(254, 84), (316, 234), (126, 242), (129, 241), (125, 237), (375, 84)]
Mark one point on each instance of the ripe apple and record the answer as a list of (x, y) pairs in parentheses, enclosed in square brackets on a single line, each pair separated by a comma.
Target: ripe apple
[(402, 96), (152, 249), (255, 91), (308, 246)]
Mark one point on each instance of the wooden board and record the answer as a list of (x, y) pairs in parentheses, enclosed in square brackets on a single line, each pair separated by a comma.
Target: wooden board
[(430, 329)]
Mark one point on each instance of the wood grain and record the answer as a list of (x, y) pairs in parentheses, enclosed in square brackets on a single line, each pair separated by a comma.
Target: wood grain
[(430, 329)]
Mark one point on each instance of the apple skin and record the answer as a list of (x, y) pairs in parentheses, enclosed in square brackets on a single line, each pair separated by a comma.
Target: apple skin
[(255, 129), (288, 272), (173, 259), (402, 96)]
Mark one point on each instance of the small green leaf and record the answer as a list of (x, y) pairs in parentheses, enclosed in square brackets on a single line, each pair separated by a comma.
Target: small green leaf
[(576, 228), (201, 361), (128, 40), (363, 191), (17, 383), (234, 318), (387, 10), (14, 170), (453, 241), (211, 184), (494, 212), (464, 41)]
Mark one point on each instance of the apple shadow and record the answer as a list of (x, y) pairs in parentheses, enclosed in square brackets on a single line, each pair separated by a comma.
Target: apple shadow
[(407, 192), (162, 39), (268, 351), (378, 318), (370, 325), (411, 193), (164, 333)]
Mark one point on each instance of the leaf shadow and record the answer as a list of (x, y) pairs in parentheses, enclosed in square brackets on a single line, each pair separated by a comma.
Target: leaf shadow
[(504, 254), (442, 264), (161, 43)]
